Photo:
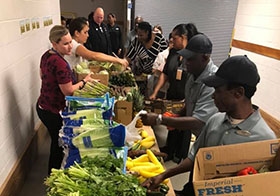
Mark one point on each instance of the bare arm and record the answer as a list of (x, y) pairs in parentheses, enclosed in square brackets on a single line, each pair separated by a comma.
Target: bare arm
[(181, 123), (98, 56), (162, 79), (69, 88), (153, 183)]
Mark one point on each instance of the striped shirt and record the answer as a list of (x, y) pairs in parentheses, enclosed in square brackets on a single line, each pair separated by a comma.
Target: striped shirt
[(145, 57)]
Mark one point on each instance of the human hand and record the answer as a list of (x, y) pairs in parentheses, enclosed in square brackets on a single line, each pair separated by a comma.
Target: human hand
[(124, 62), (149, 118), (152, 96), (153, 183), (88, 78)]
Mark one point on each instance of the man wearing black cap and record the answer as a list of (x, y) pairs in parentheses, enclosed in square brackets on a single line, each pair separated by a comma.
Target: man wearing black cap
[(237, 121), (199, 105)]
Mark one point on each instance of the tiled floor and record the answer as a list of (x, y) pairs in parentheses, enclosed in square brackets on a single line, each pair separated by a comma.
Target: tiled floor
[(34, 183)]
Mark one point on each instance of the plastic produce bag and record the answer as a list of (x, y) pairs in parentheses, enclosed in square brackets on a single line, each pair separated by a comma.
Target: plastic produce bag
[(131, 131)]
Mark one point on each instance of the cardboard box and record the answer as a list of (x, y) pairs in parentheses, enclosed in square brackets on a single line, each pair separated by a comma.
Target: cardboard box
[(215, 170), (123, 112), (161, 106), (102, 78), (95, 68)]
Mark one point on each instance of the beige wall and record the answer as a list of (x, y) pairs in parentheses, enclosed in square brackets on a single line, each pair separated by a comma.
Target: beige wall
[(19, 74), (258, 22)]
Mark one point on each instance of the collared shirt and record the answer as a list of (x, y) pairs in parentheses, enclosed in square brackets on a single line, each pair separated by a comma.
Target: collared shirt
[(198, 96), (220, 131)]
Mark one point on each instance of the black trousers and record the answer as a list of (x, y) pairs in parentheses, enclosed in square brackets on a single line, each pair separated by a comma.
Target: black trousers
[(53, 122), (178, 143), (188, 189)]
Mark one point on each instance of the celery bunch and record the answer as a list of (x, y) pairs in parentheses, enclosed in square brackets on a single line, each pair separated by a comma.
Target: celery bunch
[(94, 176), (92, 89)]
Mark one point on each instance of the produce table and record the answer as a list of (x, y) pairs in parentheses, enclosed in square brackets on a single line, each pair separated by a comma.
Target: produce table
[(155, 147)]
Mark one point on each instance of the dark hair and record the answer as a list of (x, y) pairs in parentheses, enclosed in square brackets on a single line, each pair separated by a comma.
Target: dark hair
[(188, 30), (77, 24), (249, 90), (145, 26), (169, 36), (62, 18), (113, 15), (158, 27), (90, 16)]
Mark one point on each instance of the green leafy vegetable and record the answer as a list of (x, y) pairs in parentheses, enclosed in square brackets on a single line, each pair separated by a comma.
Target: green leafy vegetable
[(94, 176)]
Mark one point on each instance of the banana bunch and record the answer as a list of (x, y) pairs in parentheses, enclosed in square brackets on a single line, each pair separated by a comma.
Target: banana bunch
[(145, 143), (145, 166)]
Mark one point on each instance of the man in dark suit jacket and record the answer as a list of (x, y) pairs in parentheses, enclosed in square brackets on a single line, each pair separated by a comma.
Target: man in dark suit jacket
[(99, 38)]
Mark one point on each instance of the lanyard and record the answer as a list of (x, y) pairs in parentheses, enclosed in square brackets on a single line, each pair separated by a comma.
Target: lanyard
[(68, 65)]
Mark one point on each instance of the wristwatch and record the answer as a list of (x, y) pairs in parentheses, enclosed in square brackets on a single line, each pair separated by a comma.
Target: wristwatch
[(159, 119)]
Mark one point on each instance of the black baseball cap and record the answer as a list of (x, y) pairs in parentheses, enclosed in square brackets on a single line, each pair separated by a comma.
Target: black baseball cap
[(236, 69), (199, 43)]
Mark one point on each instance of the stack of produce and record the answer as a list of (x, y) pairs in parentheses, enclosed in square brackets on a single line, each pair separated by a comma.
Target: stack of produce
[(147, 166), (87, 67), (90, 131), (92, 89), (120, 81), (143, 162)]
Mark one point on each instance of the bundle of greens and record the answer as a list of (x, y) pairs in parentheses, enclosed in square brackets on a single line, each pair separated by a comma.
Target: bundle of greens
[(125, 78), (92, 89), (100, 176), (82, 68)]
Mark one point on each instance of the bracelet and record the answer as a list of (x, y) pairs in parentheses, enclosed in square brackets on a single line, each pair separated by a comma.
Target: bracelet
[(84, 83), (159, 119)]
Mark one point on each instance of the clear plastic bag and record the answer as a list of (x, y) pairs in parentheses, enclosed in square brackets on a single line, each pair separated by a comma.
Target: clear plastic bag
[(131, 131)]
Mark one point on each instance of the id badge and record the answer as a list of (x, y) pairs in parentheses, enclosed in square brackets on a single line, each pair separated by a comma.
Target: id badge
[(179, 73)]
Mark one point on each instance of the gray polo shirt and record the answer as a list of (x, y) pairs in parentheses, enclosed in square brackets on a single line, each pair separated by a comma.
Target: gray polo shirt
[(198, 96), (219, 131)]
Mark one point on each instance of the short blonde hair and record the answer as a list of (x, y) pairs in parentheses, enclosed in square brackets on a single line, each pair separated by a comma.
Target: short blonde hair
[(57, 32)]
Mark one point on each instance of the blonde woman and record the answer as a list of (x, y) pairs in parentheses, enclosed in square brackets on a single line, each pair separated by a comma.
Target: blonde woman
[(57, 82)]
